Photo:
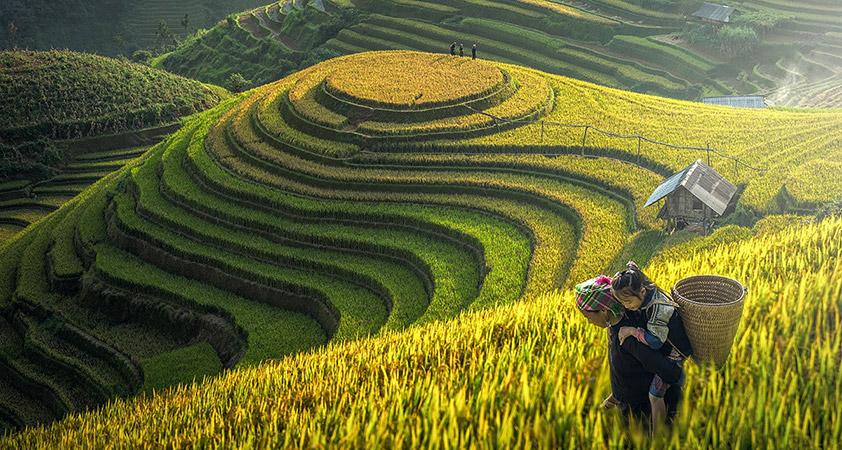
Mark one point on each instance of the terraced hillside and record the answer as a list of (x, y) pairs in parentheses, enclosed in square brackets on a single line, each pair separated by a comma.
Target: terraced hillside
[(22, 203), (616, 43), (61, 105), (548, 36), (529, 374), (331, 207), (253, 233)]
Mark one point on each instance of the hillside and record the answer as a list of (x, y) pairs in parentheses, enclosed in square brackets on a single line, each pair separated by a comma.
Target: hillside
[(60, 106), (107, 27), (64, 95), (330, 208), (782, 50)]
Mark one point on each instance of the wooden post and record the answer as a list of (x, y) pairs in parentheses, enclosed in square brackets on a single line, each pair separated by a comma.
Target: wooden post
[(542, 131), (708, 145), (638, 149), (736, 167), (585, 138)]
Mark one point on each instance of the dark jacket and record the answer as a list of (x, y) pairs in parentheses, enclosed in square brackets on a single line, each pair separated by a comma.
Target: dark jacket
[(632, 367)]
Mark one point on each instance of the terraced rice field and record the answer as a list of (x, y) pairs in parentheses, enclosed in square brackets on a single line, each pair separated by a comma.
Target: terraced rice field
[(558, 38), (45, 197), (315, 216), (266, 228)]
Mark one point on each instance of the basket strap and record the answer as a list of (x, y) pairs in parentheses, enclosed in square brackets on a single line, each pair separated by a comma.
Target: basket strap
[(677, 349)]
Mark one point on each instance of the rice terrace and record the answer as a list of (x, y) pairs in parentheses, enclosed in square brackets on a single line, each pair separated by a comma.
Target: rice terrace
[(411, 224)]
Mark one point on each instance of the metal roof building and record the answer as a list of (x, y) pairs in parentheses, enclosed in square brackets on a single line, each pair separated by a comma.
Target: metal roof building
[(737, 101), (696, 193), (714, 12)]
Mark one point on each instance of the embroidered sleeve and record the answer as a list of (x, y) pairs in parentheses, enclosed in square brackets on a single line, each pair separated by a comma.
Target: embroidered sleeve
[(657, 328)]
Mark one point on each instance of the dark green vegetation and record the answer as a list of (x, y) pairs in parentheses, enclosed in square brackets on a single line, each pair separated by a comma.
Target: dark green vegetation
[(67, 119), (68, 95), (243, 237), (109, 27)]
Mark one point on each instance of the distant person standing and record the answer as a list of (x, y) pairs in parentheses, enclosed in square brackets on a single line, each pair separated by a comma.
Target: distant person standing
[(453, 49), (474, 52), (461, 50)]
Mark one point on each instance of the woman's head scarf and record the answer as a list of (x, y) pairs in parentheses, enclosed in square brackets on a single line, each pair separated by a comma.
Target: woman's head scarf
[(595, 295)]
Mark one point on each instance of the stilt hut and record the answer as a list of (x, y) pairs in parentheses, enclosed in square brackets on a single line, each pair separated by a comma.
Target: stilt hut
[(696, 194)]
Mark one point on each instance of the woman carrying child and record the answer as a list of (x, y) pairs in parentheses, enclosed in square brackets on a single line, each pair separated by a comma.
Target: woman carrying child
[(633, 365), (655, 323)]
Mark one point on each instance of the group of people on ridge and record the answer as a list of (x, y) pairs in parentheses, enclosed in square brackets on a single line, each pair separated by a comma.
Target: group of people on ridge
[(647, 344), (462, 50)]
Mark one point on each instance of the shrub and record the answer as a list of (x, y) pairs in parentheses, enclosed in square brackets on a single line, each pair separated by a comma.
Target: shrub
[(236, 83)]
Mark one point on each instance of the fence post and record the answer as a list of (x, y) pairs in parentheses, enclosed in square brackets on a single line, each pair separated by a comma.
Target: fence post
[(585, 138), (708, 146), (638, 149), (736, 167), (542, 131)]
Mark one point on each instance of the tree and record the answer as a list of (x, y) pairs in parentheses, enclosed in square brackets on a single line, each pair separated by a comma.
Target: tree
[(763, 22), (120, 42), (236, 83), (737, 40), (166, 39)]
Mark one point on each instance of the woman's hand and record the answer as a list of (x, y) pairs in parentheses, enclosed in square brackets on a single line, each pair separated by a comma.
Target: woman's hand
[(626, 332)]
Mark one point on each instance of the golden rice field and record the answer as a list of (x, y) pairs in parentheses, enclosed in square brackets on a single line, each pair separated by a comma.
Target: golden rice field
[(427, 253), (523, 375), (776, 140), (433, 79)]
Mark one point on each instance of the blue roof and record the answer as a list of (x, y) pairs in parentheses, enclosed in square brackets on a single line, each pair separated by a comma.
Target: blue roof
[(667, 186)]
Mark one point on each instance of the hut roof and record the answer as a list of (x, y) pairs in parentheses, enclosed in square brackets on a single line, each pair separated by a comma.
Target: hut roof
[(713, 11), (737, 101), (703, 182)]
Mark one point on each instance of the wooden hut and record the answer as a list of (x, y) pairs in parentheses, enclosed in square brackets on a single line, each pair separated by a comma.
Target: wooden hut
[(696, 194), (714, 13)]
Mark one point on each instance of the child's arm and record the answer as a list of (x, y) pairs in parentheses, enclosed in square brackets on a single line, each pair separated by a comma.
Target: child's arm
[(657, 328)]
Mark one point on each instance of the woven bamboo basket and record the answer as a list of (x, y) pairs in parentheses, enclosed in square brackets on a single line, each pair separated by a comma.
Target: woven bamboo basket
[(710, 307)]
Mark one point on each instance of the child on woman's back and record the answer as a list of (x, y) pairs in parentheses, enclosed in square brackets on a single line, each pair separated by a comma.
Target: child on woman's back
[(644, 300)]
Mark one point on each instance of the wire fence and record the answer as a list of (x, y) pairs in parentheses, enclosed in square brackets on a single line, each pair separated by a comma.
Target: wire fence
[(640, 139)]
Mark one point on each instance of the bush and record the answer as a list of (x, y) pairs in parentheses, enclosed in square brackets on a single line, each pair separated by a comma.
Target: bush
[(141, 56), (236, 83), (762, 22)]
